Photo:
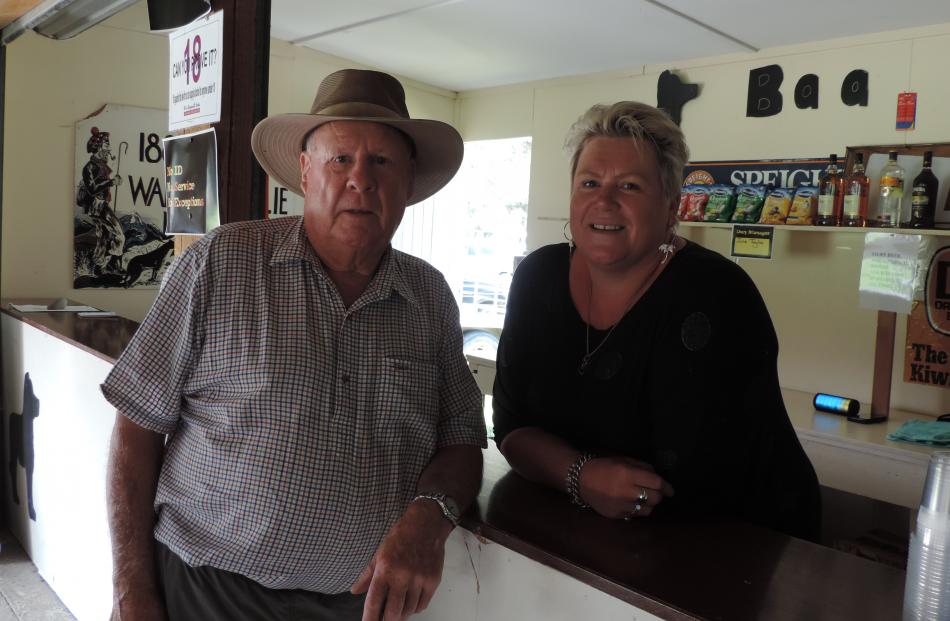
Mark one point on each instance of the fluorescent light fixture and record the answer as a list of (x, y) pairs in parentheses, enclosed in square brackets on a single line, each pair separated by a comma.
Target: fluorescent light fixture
[(62, 19)]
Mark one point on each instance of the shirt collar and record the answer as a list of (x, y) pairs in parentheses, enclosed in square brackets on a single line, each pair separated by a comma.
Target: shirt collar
[(294, 247), (389, 277)]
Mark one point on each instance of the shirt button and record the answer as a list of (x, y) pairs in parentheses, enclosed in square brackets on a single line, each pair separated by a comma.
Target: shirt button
[(345, 378)]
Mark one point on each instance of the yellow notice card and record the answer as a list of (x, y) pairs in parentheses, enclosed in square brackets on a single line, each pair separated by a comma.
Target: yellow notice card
[(887, 271), (752, 241)]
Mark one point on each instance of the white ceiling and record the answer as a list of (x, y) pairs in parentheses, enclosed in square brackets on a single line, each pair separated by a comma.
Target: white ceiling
[(468, 44)]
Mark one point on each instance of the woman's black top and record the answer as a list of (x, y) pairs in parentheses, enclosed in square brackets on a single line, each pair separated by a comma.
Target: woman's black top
[(687, 381)]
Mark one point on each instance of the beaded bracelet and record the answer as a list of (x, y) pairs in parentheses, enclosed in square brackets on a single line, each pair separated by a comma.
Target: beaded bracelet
[(573, 482)]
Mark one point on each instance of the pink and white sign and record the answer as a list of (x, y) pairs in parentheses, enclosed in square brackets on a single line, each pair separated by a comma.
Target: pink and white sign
[(194, 73)]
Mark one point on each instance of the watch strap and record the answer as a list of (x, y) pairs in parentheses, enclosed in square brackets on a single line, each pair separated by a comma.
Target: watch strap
[(442, 501)]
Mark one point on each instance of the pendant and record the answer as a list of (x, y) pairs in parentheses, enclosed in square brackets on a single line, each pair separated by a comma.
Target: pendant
[(585, 363)]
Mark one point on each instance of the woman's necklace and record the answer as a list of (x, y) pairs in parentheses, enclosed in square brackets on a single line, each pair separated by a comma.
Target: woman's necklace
[(589, 355), (585, 361)]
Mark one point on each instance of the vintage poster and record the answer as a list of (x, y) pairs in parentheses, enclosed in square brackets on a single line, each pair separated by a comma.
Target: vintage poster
[(927, 352), (119, 202)]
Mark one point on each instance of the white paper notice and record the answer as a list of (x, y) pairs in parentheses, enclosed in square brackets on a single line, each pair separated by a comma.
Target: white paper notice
[(194, 73), (887, 271)]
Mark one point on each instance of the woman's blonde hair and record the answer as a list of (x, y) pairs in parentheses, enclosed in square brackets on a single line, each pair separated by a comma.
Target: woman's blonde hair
[(642, 123)]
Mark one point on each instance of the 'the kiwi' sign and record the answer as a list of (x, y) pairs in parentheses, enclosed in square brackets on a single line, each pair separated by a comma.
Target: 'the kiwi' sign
[(937, 293)]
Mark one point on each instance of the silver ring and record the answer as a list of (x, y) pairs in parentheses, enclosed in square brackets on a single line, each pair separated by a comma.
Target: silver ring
[(643, 497)]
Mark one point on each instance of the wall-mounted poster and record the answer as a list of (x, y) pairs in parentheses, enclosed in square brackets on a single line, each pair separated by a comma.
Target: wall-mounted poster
[(119, 203)]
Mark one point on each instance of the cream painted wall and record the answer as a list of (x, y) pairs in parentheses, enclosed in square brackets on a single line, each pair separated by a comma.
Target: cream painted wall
[(715, 124), (489, 114), (295, 72), (827, 342), (49, 86), (52, 84)]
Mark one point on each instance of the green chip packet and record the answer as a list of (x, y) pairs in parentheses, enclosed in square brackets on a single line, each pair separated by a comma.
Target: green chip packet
[(749, 201), (722, 201)]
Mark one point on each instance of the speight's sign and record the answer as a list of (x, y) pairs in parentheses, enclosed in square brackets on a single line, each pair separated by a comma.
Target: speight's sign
[(777, 173)]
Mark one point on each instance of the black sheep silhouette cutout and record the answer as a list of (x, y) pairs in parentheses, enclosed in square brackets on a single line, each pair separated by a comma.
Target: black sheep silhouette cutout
[(21, 443)]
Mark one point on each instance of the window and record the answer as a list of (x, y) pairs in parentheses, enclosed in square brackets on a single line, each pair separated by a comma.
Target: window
[(473, 231)]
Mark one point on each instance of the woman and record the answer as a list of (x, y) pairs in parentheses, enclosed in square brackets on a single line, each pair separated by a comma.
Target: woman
[(637, 370)]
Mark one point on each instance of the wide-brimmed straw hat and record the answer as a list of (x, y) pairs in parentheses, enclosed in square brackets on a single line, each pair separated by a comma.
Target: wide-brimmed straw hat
[(359, 95)]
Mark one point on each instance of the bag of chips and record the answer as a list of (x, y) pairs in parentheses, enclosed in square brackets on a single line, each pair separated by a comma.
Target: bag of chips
[(777, 204), (722, 200), (684, 205), (749, 200), (804, 206), (696, 199)]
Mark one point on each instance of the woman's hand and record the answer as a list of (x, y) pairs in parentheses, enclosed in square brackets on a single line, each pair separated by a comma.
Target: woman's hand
[(622, 487)]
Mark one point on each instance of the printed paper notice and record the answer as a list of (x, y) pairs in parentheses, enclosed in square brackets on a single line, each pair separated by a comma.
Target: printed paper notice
[(888, 270), (194, 76)]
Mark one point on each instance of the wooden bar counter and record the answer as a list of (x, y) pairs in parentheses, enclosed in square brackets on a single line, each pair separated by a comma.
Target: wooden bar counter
[(103, 337), (682, 570)]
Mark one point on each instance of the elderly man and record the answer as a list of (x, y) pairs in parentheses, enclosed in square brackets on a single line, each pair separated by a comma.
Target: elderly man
[(323, 431)]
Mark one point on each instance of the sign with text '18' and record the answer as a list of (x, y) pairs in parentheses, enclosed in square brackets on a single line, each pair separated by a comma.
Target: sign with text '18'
[(194, 73)]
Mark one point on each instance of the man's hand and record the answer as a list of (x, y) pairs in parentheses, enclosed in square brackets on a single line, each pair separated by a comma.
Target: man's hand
[(142, 606), (614, 487), (402, 576)]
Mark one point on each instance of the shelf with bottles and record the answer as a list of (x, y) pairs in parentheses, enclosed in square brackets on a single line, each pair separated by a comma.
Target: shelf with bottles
[(910, 161), (876, 187), (821, 229)]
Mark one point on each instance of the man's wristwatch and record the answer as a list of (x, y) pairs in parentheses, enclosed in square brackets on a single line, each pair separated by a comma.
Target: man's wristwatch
[(450, 508)]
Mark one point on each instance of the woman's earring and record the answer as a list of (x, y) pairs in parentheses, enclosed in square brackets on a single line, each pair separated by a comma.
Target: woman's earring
[(566, 234), (668, 249)]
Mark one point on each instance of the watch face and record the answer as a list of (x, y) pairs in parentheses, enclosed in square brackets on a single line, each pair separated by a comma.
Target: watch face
[(453, 506)]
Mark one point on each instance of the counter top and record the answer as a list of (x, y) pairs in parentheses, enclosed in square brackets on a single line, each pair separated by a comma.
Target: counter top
[(682, 569), (834, 428), (103, 337)]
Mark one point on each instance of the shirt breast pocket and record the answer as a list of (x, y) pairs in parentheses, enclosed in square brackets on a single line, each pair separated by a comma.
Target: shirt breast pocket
[(407, 401)]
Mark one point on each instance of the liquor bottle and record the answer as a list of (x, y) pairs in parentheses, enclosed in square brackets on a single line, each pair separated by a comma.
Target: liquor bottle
[(888, 209), (924, 196), (856, 186), (830, 195)]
